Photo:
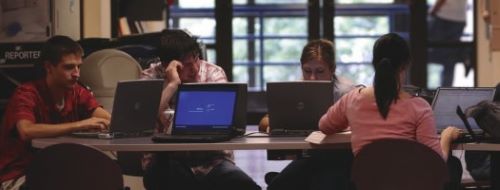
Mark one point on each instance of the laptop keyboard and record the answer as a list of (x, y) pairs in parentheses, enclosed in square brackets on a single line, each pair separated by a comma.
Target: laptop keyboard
[(162, 138), (107, 134), (481, 137), (465, 138), (86, 134), (291, 133)]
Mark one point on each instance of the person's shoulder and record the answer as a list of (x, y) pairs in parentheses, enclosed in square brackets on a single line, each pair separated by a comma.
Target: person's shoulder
[(31, 86), (212, 72), (355, 93), (344, 85), (82, 89), (213, 66), (419, 101), (419, 105), (26, 92)]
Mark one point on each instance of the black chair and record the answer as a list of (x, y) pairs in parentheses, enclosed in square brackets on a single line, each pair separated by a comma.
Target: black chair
[(91, 45), (130, 163), (73, 166), (393, 164)]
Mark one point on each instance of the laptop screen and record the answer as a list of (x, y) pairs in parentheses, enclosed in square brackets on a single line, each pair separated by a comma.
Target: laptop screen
[(447, 99), (298, 105), (204, 110)]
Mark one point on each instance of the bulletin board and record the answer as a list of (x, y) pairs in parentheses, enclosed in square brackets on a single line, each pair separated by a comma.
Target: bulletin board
[(24, 20)]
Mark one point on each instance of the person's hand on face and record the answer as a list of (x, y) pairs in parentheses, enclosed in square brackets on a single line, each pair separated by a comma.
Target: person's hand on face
[(185, 70), (172, 72), (190, 69)]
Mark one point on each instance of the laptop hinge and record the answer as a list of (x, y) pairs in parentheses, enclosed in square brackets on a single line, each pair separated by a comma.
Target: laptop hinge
[(278, 131)]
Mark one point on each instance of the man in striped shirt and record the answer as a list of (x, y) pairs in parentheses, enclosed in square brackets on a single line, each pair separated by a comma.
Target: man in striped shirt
[(181, 63)]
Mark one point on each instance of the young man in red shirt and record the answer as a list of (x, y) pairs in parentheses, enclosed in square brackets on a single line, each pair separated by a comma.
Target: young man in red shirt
[(51, 106)]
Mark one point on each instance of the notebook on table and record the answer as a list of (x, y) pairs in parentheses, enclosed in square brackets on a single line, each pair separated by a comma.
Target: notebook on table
[(295, 107), (135, 108), (207, 112), (446, 100)]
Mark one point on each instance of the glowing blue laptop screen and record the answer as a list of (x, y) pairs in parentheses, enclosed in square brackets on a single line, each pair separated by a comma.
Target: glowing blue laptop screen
[(205, 109)]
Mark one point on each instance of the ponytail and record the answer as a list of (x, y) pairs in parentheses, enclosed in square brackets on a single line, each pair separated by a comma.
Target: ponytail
[(386, 84)]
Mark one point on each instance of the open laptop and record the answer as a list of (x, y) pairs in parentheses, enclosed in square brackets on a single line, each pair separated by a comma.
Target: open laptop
[(135, 108), (207, 112), (295, 107), (446, 100), (471, 135)]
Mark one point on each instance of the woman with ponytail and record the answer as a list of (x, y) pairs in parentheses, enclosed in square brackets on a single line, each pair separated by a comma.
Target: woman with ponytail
[(384, 110)]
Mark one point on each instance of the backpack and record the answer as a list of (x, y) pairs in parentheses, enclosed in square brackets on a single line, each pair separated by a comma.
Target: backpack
[(487, 116)]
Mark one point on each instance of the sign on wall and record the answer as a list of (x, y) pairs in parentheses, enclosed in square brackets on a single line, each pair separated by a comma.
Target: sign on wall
[(20, 53)]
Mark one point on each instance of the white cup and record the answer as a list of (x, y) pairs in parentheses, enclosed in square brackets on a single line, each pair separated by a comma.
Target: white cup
[(169, 117)]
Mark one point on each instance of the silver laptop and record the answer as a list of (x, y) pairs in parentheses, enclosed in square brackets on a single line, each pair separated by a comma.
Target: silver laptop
[(446, 101), (295, 107), (135, 108)]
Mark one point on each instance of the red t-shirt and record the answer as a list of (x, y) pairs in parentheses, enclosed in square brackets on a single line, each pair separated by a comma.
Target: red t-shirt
[(32, 101)]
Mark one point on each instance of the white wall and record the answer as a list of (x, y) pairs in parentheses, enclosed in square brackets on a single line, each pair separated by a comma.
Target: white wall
[(488, 63), (97, 18)]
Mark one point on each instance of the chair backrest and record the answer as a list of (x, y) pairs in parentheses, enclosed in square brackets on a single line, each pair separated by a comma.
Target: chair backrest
[(73, 166), (102, 70), (130, 162), (393, 164)]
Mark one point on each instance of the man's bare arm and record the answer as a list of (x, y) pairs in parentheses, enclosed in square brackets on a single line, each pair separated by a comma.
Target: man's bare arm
[(101, 113), (29, 130)]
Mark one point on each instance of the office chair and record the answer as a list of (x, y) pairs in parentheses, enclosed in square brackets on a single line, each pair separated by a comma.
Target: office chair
[(394, 164), (102, 70), (73, 166)]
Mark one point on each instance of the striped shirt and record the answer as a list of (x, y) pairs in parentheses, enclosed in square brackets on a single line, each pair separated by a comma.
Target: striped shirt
[(208, 72)]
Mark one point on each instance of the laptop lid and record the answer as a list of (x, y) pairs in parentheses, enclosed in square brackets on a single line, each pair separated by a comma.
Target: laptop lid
[(471, 132), (297, 105), (210, 108), (446, 100), (135, 106)]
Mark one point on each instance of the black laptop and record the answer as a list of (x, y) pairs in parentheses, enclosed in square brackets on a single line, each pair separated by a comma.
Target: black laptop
[(446, 100), (295, 107), (207, 112), (135, 108), (472, 135)]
